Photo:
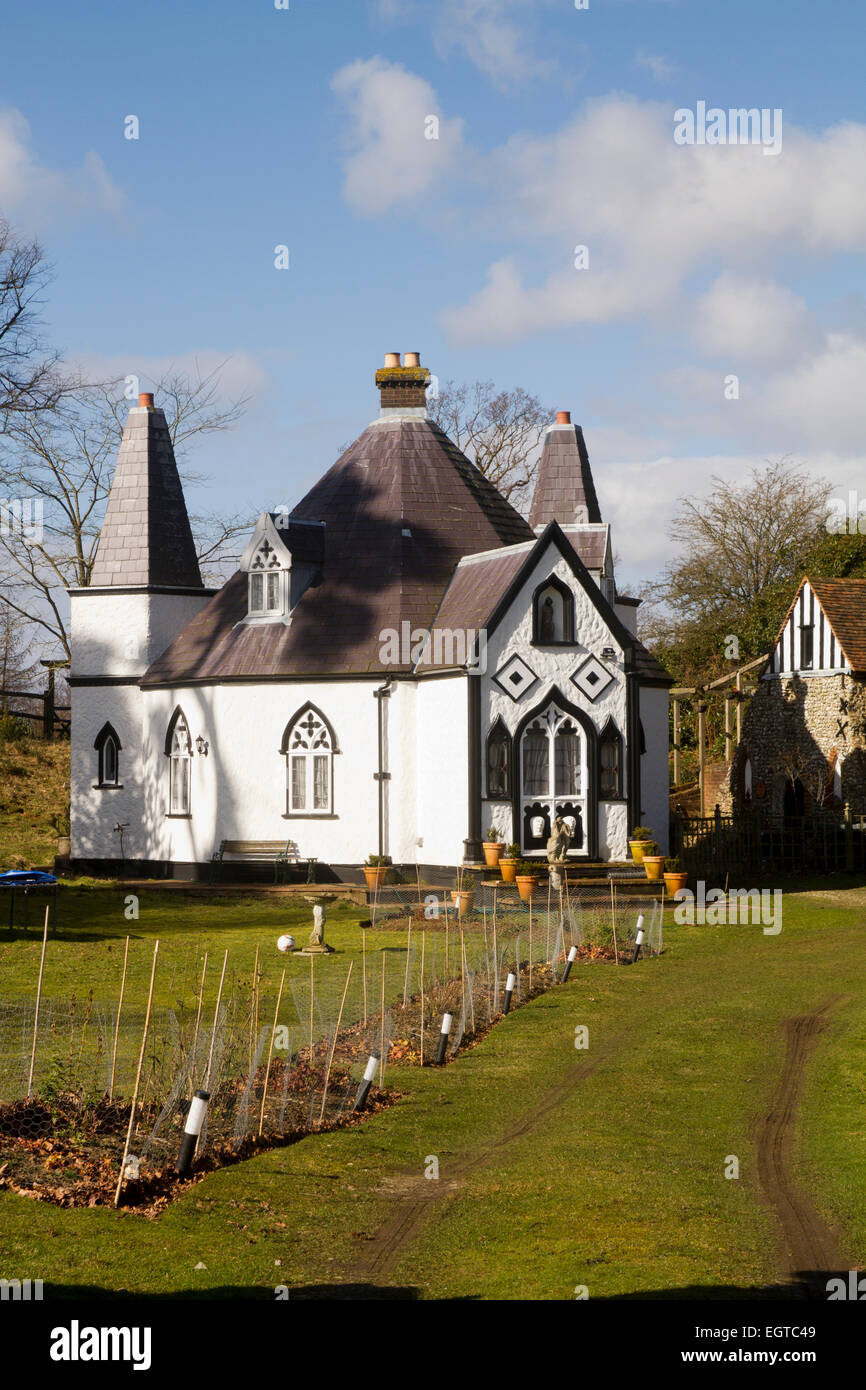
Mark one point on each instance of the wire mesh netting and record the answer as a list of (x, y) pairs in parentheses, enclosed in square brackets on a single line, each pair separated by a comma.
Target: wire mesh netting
[(95, 1095)]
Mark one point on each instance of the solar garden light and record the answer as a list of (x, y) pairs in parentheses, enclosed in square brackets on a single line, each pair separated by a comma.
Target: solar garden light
[(191, 1130), (443, 1039), (509, 990), (572, 957), (366, 1082), (638, 940)]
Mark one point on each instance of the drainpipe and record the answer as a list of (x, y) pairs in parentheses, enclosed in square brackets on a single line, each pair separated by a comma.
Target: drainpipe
[(381, 693)]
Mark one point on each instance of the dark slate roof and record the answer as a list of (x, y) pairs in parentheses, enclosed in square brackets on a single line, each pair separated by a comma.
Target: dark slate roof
[(844, 602), (481, 584), (564, 482), (146, 537), (590, 544), (400, 476)]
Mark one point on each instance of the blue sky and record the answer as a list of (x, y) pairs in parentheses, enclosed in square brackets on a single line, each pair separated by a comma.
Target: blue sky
[(305, 127)]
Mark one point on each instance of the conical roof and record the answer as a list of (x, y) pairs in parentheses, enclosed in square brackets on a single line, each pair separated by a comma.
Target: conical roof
[(146, 538), (401, 506), (564, 489)]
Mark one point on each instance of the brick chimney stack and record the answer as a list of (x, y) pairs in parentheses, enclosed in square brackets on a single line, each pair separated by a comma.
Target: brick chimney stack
[(403, 387)]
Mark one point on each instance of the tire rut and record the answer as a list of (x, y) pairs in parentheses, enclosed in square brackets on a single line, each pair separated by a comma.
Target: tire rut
[(387, 1245), (810, 1248)]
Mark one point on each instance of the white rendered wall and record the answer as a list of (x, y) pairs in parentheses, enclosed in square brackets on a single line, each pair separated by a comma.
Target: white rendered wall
[(442, 744), (120, 634), (554, 666)]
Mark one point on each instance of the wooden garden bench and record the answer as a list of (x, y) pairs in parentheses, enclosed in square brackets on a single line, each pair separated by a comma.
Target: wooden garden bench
[(278, 852)]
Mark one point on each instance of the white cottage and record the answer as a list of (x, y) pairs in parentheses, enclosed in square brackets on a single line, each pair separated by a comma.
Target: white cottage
[(400, 663)]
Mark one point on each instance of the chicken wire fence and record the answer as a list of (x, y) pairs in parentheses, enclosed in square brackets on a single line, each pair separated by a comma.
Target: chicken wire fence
[(278, 1061)]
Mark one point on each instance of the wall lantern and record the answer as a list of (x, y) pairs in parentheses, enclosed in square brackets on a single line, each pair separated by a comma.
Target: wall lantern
[(608, 653), (202, 745)]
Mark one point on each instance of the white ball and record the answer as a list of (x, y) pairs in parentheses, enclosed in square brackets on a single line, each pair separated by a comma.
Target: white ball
[(286, 943)]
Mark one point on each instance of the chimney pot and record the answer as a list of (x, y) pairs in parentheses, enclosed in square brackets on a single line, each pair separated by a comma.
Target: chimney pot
[(412, 359), (563, 417), (392, 359), (145, 400)]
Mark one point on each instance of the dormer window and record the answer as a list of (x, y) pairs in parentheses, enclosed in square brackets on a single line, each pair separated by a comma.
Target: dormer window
[(266, 583)]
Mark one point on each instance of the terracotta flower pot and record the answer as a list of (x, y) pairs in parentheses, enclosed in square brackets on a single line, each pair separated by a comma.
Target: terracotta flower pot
[(674, 881), (464, 902), (508, 869), (636, 847), (375, 876), (526, 885), (492, 853), (654, 865)]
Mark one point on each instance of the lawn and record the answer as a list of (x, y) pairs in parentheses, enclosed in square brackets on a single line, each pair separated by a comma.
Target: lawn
[(34, 788), (558, 1167)]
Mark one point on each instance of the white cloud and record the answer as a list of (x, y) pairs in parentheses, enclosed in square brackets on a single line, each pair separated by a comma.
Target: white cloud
[(750, 319), (392, 160), (655, 64), (240, 373), (653, 214), (489, 33), (30, 191)]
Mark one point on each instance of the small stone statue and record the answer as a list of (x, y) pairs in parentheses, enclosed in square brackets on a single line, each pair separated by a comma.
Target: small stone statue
[(557, 845), (547, 631), (317, 946)]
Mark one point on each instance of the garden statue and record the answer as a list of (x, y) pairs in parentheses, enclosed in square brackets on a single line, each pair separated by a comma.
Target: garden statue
[(548, 622), (557, 845)]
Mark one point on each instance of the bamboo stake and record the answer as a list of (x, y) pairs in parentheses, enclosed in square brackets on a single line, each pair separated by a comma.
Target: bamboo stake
[(312, 998), (423, 944), (38, 998), (530, 945), (463, 973), (446, 947), (495, 963), (216, 1014), (270, 1050), (254, 1011), (334, 1042), (364, 968), (198, 1013), (117, 1022), (137, 1075), (382, 1043), (406, 977)]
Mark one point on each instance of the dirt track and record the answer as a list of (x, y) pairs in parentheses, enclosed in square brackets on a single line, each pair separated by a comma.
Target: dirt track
[(809, 1252), (421, 1194), (810, 1249)]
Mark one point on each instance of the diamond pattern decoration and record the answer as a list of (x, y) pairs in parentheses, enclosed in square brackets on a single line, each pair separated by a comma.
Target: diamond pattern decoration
[(515, 677), (592, 678)]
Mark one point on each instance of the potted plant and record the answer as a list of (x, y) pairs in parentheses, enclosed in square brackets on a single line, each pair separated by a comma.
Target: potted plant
[(463, 896), (375, 868), (527, 879), (674, 877), (640, 837), (493, 848), (653, 862), (509, 862), (60, 822)]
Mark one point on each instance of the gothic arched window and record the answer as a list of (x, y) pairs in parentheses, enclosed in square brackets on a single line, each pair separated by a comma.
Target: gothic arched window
[(266, 583), (107, 745), (178, 747), (610, 763), (498, 762), (309, 746)]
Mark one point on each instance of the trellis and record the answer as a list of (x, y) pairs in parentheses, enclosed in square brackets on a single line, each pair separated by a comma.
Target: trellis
[(735, 698)]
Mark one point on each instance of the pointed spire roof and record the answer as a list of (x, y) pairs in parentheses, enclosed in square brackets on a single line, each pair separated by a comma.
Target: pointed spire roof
[(146, 538), (564, 490)]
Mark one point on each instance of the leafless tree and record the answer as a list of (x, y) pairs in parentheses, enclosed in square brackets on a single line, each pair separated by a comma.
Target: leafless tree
[(29, 376), (63, 459), (500, 431)]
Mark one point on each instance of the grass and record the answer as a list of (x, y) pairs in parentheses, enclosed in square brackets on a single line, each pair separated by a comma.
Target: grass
[(619, 1185), (34, 786)]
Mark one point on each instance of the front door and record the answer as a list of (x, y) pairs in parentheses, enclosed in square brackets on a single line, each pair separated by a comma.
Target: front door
[(553, 780)]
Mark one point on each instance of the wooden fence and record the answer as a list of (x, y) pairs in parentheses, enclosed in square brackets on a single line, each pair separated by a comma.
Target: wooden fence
[(758, 841), (47, 720)]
